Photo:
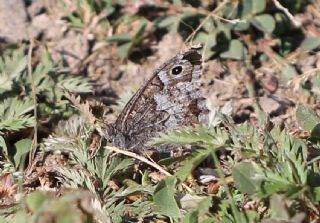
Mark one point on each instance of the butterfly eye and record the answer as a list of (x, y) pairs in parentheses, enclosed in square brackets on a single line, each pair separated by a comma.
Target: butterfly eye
[(176, 70)]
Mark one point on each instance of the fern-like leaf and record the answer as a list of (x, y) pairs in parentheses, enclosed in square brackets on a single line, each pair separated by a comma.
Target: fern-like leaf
[(199, 135), (14, 64), (13, 114), (76, 84)]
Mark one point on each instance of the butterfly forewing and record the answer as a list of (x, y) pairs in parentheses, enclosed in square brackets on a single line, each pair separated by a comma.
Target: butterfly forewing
[(171, 98)]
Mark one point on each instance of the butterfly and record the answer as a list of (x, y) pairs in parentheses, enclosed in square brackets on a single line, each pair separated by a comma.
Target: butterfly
[(170, 99)]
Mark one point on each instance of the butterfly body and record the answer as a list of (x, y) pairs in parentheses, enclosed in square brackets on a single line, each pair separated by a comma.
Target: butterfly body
[(171, 98)]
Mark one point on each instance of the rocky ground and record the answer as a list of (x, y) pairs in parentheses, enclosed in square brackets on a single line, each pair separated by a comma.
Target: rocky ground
[(79, 39)]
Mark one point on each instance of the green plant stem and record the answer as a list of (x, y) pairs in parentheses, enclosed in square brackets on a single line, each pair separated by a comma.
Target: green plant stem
[(224, 183), (35, 135)]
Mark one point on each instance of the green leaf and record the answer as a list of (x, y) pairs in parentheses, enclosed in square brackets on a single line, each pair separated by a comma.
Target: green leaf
[(125, 49), (74, 84), (208, 26), (35, 200), (189, 164), (210, 41), (258, 6), (251, 7), (307, 118), (13, 114), (120, 38), (316, 82), (209, 220), (189, 201), (93, 5), (15, 107), (278, 208), (22, 147), (75, 21), (164, 198), (167, 161), (3, 144), (315, 133), (264, 22), (236, 50), (186, 135), (170, 22), (14, 65), (46, 58), (15, 124), (282, 24), (244, 177), (12, 68), (280, 186), (316, 193), (191, 217), (241, 26), (21, 217), (246, 9), (177, 3), (3, 220), (141, 29), (252, 216), (288, 72), (310, 43), (201, 206), (61, 205), (5, 82)]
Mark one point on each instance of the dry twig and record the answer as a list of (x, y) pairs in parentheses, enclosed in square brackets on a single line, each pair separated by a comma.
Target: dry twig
[(145, 160), (296, 23), (34, 96)]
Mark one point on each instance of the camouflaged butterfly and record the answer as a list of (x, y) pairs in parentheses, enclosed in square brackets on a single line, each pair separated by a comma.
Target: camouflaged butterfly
[(170, 99)]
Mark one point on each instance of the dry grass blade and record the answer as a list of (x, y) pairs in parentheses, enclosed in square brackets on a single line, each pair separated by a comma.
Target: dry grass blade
[(145, 160)]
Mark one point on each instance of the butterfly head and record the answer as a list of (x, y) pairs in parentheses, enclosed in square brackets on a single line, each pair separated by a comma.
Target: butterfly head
[(115, 137)]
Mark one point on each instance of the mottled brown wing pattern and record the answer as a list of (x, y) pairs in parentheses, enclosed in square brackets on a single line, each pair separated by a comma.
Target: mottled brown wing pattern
[(169, 99)]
